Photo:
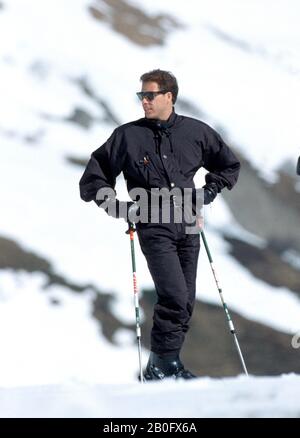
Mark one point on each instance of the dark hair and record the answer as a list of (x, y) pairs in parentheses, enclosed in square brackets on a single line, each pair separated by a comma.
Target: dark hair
[(165, 79)]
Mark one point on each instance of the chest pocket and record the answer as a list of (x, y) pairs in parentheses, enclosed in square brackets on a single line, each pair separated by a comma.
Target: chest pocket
[(148, 170)]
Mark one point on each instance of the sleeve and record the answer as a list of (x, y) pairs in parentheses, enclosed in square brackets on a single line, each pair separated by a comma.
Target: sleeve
[(222, 164), (105, 164)]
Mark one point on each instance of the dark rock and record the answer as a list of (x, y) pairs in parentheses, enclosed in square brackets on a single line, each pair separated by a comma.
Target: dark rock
[(87, 89), (270, 211), (82, 162), (134, 23), (265, 264), (81, 118), (13, 256)]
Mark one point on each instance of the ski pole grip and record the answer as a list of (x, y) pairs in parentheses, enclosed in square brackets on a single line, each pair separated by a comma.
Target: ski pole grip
[(131, 227)]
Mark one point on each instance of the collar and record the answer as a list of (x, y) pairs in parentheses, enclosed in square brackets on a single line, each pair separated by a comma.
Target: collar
[(161, 125)]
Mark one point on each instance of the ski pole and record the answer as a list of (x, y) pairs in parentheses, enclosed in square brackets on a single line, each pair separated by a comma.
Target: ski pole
[(229, 320), (130, 231)]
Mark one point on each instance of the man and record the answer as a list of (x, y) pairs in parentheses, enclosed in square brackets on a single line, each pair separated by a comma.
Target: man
[(163, 150)]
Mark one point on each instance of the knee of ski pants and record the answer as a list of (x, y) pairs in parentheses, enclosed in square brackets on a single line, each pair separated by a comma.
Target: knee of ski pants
[(172, 266)]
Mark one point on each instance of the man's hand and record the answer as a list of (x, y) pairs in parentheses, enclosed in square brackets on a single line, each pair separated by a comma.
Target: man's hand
[(205, 195), (132, 212), (210, 192), (120, 209)]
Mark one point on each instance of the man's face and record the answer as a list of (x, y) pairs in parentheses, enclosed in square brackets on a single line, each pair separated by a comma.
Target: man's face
[(161, 106)]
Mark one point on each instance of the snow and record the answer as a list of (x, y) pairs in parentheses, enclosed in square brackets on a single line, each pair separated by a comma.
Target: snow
[(251, 88), (251, 94), (252, 397), (248, 296), (47, 343)]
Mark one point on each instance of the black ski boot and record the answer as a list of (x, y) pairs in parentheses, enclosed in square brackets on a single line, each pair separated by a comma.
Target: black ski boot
[(160, 367)]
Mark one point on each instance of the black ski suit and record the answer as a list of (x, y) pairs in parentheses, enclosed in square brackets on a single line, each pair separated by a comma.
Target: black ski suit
[(153, 154)]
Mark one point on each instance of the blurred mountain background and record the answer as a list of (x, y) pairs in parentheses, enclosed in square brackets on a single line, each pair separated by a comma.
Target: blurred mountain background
[(69, 71)]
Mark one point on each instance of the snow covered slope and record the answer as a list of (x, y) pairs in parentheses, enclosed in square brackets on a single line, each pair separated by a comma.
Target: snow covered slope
[(228, 398)]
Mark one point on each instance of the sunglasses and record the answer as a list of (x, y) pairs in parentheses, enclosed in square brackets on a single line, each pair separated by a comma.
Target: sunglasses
[(150, 95)]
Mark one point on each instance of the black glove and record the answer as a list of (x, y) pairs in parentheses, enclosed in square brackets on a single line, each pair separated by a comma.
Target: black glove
[(120, 209), (132, 212), (210, 192), (205, 195)]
